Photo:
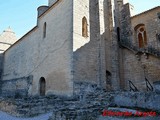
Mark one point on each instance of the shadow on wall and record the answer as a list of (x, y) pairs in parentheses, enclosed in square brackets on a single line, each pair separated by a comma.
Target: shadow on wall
[(86, 57)]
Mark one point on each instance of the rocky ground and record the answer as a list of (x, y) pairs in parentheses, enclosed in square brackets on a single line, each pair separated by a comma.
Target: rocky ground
[(86, 104), (5, 116), (129, 118)]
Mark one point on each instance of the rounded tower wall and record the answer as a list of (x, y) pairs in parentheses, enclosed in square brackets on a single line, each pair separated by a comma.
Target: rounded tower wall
[(51, 2), (41, 10)]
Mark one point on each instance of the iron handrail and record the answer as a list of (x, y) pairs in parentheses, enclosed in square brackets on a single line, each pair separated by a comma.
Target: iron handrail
[(148, 85), (132, 87)]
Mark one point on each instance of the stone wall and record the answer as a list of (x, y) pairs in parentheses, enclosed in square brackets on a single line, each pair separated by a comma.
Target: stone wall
[(51, 2), (136, 64), (16, 88), (86, 50), (110, 68), (152, 24), (49, 57), (1, 64), (93, 107), (80, 10), (124, 37), (137, 67), (1, 70), (88, 105)]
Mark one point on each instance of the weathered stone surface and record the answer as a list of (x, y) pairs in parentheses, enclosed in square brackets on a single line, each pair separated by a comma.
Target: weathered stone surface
[(145, 100), (64, 55), (88, 102), (41, 10), (16, 87), (81, 68), (1, 69), (157, 86), (49, 57)]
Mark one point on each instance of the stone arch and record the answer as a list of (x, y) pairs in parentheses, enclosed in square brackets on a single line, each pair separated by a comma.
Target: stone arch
[(84, 27), (42, 84), (44, 29), (141, 35)]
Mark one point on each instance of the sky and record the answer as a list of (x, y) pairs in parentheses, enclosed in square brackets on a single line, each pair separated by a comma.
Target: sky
[(21, 15)]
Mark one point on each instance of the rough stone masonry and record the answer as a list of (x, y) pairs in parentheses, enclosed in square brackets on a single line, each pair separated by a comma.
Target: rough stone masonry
[(82, 57)]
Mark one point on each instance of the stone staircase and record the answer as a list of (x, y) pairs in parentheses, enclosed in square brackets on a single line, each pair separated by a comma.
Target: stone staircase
[(33, 106), (86, 106)]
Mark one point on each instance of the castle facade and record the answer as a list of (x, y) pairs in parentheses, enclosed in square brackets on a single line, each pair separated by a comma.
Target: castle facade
[(98, 42)]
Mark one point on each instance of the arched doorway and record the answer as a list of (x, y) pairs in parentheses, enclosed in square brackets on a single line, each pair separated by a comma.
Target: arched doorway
[(42, 89)]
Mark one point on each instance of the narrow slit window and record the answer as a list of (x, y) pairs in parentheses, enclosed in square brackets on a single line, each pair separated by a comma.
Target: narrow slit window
[(118, 34), (42, 83), (84, 27), (44, 30)]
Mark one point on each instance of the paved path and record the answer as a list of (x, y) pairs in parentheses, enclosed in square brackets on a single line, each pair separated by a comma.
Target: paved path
[(5, 116)]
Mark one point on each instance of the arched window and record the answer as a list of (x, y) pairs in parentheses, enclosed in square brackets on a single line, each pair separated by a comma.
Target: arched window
[(42, 84), (84, 27), (141, 35), (44, 30)]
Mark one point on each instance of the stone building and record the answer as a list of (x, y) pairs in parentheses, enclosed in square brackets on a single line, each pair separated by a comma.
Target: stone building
[(98, 42), (7, 38)]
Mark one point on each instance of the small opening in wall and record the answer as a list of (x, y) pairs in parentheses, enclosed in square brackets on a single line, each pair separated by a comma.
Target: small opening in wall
[(158, 15), (118, 34), (84, 27), (158, 37), (42, 83), (44, 29), (108, 77)]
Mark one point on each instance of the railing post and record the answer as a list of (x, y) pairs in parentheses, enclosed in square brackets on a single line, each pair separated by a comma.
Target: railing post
[(148, 85), (132, 87)]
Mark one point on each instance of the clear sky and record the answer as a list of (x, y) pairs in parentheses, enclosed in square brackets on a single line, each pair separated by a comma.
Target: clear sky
[(21, 15)]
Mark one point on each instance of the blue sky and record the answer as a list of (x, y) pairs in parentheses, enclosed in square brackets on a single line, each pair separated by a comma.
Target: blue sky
[(21, 15)]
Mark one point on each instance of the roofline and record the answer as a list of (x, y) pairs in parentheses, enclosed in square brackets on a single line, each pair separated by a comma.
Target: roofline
[(5, 43), (21, 38), (158, 7), (52, 6)]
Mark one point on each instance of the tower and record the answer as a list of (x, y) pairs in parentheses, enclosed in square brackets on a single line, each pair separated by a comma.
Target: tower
[(112, 34), (7, 38), (51, 2)]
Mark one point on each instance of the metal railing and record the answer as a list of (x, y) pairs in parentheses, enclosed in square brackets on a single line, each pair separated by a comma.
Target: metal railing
[(148, 85), (132, 87)]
